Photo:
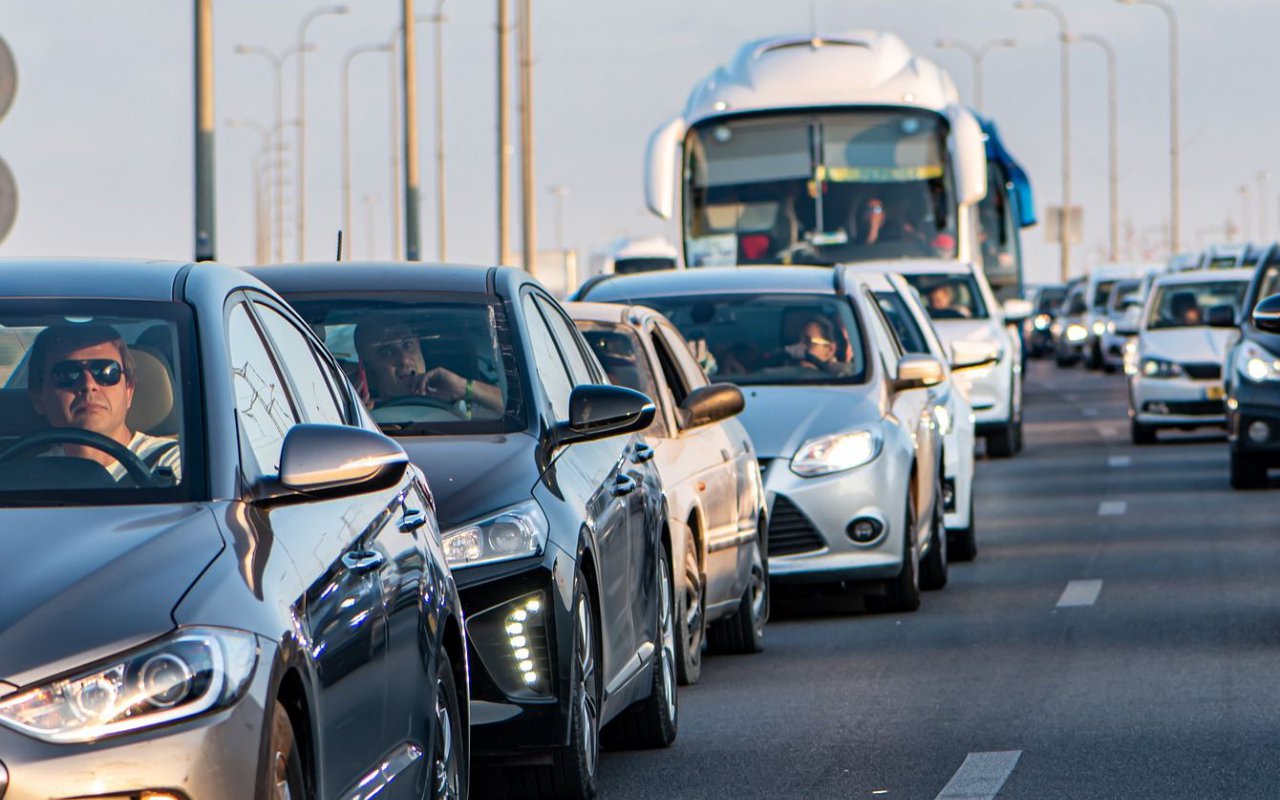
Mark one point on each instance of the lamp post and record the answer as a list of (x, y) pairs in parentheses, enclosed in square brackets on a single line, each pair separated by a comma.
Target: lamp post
[(277, 61), (504, 132), (1113, 163), (438, 20), (205, 203), (976, 55), (260, 228), (352, 55), (1065, 211), (409, 138), (1175, 167), (528, 200), (301, 209)]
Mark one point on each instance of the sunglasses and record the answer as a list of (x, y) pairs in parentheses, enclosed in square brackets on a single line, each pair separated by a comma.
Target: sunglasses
[(69, 374), (820, 342)]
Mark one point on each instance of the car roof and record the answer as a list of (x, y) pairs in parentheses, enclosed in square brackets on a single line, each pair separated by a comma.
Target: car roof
[(374, 276), (922, 266), (1204, 275), (876, 281), (599, 312), (125, 279), (719, 280)]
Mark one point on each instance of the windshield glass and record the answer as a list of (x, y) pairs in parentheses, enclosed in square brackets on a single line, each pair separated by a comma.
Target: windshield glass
[(1119, 292), (438, 365), (819, 188), (769, 339), (1101, 292), (997, 234), (950, 296), (97, 404), (1184, 305), (1048, 300)]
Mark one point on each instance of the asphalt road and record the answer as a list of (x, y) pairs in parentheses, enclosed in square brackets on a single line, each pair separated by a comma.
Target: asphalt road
[(1161, 681)]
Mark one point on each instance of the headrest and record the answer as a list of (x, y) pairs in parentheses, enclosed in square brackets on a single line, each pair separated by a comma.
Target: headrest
[(152, 407)]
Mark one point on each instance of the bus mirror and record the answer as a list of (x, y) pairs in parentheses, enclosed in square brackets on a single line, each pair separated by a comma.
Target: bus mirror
[(969, 154), (660, 167)]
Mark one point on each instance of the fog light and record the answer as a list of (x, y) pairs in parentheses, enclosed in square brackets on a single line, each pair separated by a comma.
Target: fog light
[(864, 530), (1259, 431), (949, 494)]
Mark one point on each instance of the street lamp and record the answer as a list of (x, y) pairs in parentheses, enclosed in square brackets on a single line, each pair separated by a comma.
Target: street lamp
[(397, 35), (302, 121), (277, 62), (382, 47), (1065, 211), (438, 20), (1112, 135), (1175, 190), (976, 55)]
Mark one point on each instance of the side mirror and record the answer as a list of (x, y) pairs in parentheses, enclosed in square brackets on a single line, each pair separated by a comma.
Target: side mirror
[(1223, 316), (598, 412), (1017, 310), (916, 371), (1266, 314), (970, 153), (660, 167), (712, 403), (335, 461)]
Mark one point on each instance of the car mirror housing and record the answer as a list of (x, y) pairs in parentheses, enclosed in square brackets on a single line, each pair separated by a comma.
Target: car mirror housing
[(916, 371), (1016, 310), (335, 461), (1266, 315), (972, 355), (598, 412), (708, 404), (1223, 316)]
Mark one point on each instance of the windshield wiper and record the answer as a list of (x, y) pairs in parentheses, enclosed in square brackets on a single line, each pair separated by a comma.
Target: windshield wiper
[(8, 503)]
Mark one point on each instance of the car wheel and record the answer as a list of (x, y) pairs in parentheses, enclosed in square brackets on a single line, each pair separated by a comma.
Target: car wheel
[(1002, 441), (904, 591), (933, 568), (449, 771), (651, 723), (1094, 360), (283, 768), (691, 620), (744, 632), (1141, 434), (1247, 473)]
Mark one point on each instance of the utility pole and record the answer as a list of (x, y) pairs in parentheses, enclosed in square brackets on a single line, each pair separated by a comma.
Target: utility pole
[(408, 60), (976, 55), (528, 194), (1113, 162), (205, 207), (504, 133), (441, 235)]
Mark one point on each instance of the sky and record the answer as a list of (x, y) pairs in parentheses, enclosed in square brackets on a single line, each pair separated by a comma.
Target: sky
[(99, 137)]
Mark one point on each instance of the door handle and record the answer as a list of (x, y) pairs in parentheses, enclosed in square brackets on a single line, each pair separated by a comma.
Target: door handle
[(623, 484), (412, 520), (642, 453), (363, 560)]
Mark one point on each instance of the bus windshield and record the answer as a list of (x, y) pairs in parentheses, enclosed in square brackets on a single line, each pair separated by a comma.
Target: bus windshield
[(819, 189)]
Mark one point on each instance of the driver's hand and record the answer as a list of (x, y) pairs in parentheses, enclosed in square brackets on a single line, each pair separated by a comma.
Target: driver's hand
[(443, 384)]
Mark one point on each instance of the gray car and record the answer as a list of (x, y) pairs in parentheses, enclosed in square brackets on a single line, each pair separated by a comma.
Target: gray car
[(221, 580)]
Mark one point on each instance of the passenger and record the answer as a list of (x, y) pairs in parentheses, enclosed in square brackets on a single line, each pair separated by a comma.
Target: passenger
[(818, 348), (393, 365), (942, 303), (83, 376), (1184, 310)]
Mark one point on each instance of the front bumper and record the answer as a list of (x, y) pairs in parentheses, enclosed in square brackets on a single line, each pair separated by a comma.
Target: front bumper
[(989, 392), (1249, 404), (212, 757), (1176, 402)]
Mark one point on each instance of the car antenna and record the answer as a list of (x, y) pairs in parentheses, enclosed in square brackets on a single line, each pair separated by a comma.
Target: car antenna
[(339, 244)]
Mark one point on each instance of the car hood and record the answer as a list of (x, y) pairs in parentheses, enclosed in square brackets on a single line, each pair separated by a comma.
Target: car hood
[(1186, 345), (780, 418), (85, 582), (471, 476), (951, 331)]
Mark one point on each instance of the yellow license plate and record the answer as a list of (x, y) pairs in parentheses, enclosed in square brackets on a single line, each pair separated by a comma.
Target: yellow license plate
[(1215, 392)]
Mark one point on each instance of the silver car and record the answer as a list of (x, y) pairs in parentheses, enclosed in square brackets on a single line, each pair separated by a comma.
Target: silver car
[(848, 444)]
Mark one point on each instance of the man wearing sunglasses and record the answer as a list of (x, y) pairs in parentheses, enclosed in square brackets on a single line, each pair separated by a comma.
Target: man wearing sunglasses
[(818, 349), (83, 376)]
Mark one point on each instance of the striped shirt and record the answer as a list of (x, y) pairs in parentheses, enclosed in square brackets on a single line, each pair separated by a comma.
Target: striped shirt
[(146, 448)]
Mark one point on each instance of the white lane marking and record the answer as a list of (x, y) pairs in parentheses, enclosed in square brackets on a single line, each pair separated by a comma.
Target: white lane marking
[(1108, 430), (1120, 461), (981, 776), (1080, 593), (1071, 398), (1089, 412), (1112, 508)]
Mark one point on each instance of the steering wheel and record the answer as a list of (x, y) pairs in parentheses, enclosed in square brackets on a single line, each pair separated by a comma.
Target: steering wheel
[(132, 463), (418, 401)]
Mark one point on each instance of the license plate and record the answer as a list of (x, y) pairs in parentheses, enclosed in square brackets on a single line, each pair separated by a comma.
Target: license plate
[(1215, 392)]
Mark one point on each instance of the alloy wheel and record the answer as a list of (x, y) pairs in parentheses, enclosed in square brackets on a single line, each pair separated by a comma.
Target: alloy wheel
[(446, 777), (666, 624), (588, 712)]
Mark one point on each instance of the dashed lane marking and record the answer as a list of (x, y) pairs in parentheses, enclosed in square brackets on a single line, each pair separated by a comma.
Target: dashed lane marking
[(1080, 593), (1112, 508), (981, 776), (1107, 431), (1120, 461), (1089, 412)]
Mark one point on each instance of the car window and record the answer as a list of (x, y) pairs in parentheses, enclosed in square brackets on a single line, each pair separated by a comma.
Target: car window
[(950, 296), (904, 325), (670, 372), (890, 347), (552, 372), (313, 390), (263, 408), (691, 367), (568, 339), (619, 350)]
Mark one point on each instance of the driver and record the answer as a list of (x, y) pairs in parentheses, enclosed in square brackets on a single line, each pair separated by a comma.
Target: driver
[(942, 303), (82, 376), (818, 349), (391, 356)]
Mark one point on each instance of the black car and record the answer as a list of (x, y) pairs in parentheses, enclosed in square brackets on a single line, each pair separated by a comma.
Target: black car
[(554, 521), (1251, 376), (1037, 329)]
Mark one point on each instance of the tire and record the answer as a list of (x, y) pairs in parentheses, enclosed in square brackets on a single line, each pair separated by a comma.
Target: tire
[(962, 544), (449, 768), (1141, 434), (903, 592), (1247, 473), (933, 567), (282, 774), (1094, 361), (691, 617), (1002, 442), (652, 722), (743, 633)]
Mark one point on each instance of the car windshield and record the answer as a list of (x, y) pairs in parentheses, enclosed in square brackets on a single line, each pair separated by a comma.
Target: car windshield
[(1184, 305), (97, 405), (769, 339), (1048, 300), (950, 296), (1270, 283), (424, 365), (1101, 292), (899, 316)]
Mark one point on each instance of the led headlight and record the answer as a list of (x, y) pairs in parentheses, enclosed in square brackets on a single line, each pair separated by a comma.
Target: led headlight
[(1041, 322), (1131, 356), (516, 532), (1257, 364), (836, 453), (1077, 332), (1159, 368), (190, 672), (1099, 327)]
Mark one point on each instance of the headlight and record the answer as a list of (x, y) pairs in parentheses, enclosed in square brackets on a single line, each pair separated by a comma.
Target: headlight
[(190, 672), (1041, 322), (1159, 368), (1077, 332), (1111, 327), (1257, 364), (1131, 356), (1099, 327), (516, 532), (836, 453)]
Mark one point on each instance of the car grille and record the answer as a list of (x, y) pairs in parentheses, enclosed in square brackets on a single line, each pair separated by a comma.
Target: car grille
[(1203, 371), (1207, 408), (790, 531)]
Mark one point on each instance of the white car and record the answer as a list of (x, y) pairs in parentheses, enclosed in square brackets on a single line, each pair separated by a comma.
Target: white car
[(1175, 376), (907, 317), (975, 328), (1124, 308)]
